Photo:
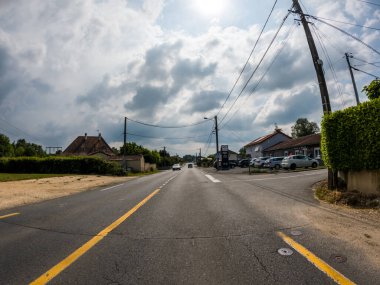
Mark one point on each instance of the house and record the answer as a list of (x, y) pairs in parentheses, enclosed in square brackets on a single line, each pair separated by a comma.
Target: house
[(89, 145), (307, 145), (256, 147), (135, 163), (233, 155)]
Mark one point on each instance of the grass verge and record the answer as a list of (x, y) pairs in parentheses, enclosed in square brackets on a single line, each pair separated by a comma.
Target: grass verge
[(348, 198)]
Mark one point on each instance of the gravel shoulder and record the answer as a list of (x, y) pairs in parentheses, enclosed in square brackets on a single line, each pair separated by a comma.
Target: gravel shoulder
[(18, 193)]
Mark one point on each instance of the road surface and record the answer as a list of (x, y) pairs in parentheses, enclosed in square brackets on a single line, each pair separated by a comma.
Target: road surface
[(194, 226)]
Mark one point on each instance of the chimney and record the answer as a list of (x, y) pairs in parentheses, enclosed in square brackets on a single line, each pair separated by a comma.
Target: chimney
[(100, 135), (85, 136)]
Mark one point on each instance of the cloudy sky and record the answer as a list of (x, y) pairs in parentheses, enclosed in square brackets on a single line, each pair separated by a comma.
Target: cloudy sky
[(74, 67)]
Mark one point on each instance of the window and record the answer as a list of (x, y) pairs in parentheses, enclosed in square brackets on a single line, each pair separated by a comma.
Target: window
[(317, 152), (286, 153)]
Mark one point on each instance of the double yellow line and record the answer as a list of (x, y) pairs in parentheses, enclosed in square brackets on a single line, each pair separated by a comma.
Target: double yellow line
[(57, 269)]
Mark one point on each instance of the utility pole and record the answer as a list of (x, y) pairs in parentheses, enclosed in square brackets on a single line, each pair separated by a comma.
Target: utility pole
[(217, 138), (332, 177), (316, 60), (200, 153), (352, 78), (164, 157), (125, 145)]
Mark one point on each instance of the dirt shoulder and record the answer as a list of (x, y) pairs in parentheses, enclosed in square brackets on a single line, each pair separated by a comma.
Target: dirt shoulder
[(17, 193)]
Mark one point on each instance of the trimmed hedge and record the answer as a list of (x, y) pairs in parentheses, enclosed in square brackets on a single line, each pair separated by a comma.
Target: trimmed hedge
[(57, 165), (350, 139)]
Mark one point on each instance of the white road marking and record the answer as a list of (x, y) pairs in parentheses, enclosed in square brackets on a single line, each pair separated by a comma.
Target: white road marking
[(108, 188), (212, 178)]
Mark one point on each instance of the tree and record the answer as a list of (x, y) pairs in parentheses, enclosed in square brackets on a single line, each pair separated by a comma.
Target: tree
[(6, 148), (23, 148), (243, 152), (303, 127), (372, 90)]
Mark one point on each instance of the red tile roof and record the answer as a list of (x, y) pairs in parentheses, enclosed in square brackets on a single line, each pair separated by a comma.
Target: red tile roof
[(309, 140), (88, 145), (264, 138)]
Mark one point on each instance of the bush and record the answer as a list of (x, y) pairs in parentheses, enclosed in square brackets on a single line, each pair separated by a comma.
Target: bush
[(351, 137), (56, 165)]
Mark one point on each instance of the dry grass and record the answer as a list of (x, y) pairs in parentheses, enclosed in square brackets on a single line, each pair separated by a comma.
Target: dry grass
[(16, 193), (349, 198)]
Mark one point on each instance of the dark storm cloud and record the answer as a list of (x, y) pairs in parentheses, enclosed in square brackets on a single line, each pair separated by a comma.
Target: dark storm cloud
[(186, 70), (204, 102), (102, 92), (158, 61), (300, 104), (147, 99), (8, 81)]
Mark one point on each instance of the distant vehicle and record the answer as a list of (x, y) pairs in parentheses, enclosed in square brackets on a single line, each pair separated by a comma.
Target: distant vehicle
[(243, 163), (274, 162), (190, 165), (176, 167), (260, 161), (298, 160)]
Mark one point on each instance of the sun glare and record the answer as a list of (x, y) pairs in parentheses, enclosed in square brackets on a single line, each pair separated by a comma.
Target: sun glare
[(210, 8)]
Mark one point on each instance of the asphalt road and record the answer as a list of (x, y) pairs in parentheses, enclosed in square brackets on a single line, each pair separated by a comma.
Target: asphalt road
[(182, 227)]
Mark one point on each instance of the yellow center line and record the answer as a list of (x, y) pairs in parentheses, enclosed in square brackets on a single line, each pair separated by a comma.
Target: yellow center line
[(9, 215), (57, 269), (319, 263)]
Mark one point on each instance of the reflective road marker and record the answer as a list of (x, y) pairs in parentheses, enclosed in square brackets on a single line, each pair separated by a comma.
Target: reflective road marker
[(319, 263)]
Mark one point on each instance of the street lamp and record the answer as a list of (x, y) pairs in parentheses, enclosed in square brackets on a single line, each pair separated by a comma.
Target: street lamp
[(217, 139)]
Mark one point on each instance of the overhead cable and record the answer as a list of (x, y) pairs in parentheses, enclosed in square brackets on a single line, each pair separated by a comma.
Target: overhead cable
[(149, 137), (356, 25), (169, 127), (346, 33), (250, 55), (258, 65), (265, 73), (357, 69)]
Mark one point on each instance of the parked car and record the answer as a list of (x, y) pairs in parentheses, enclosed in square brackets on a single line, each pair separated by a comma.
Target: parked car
[(274, 162), (260, 161), (252, 162), (189, 165), (176, 166), (243, 163), (298, 160), (232, 163)]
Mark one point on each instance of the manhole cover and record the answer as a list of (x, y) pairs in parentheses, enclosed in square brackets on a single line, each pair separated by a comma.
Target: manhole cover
[(338, 258), (296, 233), (285, 251)]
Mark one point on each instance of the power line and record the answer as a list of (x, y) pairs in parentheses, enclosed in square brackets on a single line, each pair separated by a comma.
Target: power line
[(250, 55), (356, 25), (331, 66), (365, 72), (159, 138), (346, 33), (368, 2), (168, 127), (370, 63), (258, 65), (265, 73)]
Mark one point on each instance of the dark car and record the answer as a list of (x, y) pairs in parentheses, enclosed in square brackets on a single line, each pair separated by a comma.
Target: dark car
[(190, 165), (244, 163)]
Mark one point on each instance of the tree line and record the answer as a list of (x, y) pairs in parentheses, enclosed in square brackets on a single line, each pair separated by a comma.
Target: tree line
[(19, 148)]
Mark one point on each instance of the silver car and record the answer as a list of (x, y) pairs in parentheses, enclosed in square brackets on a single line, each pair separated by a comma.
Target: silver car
[(298, 160), (273, 162)]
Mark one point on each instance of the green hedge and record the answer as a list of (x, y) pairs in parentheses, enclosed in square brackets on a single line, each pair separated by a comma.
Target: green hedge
[(351, 137), (56, 165)]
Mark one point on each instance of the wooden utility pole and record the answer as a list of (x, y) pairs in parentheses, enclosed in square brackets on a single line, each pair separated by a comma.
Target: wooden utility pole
[(316, 60), (217, 142), (125, 145), (318, 65), (352, 78)]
